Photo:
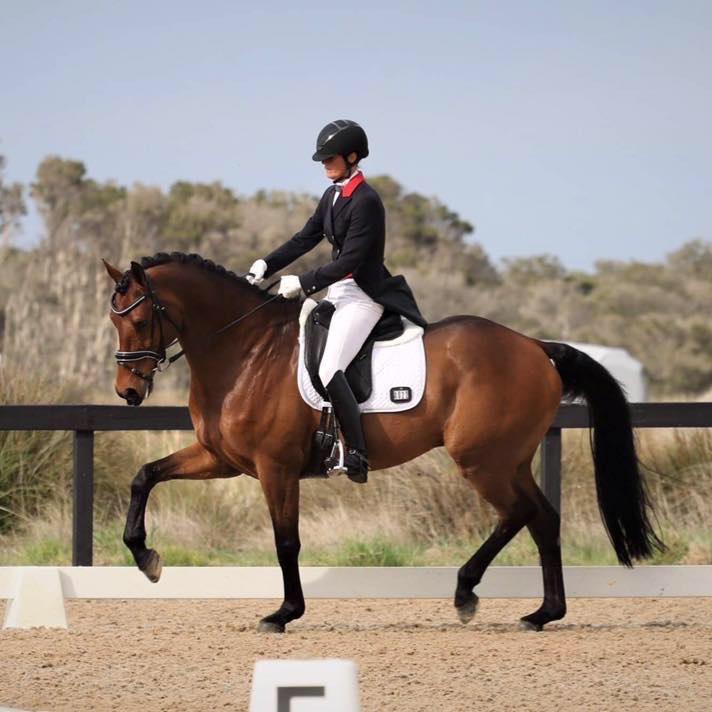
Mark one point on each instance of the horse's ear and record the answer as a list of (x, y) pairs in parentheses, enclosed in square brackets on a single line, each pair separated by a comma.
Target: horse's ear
[(114, 273), (137, 273)]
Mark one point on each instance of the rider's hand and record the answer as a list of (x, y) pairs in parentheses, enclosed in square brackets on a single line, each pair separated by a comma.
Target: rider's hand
[(289, 286), (257, 272)]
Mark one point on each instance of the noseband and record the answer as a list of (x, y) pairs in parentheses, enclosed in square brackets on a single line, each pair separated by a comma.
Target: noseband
[(158, 313)]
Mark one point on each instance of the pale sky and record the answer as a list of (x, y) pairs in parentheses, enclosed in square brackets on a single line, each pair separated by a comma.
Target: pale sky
[(577, 128)]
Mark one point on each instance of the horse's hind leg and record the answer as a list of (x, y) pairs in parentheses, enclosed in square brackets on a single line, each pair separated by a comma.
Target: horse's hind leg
[(192, 463), (515, 510), (545, 528)]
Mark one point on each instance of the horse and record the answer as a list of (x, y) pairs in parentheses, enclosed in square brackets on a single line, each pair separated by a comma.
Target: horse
[(490, 397)]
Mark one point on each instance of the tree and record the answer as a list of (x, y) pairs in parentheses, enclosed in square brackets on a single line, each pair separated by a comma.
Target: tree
[(57, 190), (12, 208), (200, 213), (525, 270), (694, 258)]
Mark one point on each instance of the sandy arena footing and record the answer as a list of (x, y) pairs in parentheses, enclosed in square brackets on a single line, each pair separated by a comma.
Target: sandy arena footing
[(608, 654)]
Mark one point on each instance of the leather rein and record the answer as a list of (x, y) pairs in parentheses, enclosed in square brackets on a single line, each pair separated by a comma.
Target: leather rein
[(158, 313)]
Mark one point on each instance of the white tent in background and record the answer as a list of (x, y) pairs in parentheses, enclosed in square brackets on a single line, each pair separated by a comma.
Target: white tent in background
[(627, 370)]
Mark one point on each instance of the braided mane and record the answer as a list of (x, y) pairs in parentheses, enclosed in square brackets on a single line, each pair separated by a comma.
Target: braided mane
[(193, 259)]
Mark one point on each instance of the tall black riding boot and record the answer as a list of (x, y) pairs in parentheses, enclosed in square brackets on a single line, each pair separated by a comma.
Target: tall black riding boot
[(349, 417)]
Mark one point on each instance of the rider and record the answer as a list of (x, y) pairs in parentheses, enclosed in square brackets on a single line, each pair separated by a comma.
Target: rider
[(351, 216)]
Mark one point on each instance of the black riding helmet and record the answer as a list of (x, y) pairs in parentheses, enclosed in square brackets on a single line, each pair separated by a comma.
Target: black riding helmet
[(339, 138)]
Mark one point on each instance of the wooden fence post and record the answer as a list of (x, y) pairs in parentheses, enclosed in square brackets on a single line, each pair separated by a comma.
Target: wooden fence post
[(551, 467), (83, 511)]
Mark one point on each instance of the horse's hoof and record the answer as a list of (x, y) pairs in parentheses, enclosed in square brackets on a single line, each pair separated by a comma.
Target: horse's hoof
[(270, 627), (153, 566), (466, 612), (530, 626)]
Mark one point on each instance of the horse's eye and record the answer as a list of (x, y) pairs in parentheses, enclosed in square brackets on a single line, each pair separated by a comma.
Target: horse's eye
[(141, 324)]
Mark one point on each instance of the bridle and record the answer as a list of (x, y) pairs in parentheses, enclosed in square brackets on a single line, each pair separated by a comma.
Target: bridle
[(158, 313)]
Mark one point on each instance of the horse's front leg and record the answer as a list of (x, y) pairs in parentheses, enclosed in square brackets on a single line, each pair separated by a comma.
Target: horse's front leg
[(282, 493), (192, 463)]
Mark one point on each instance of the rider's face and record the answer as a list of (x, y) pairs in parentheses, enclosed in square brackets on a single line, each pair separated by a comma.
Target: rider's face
[(336, 167)]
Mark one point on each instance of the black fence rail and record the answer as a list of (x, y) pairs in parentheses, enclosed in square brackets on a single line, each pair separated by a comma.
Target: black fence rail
[(85, 420)]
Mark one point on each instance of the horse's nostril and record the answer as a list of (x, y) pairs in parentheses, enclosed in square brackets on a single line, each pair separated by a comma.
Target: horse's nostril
[(131, 396)]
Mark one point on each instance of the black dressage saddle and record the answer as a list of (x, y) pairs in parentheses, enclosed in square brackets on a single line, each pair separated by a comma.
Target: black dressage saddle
[(358, 374)]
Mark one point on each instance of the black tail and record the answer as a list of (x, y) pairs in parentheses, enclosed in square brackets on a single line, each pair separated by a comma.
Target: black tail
[(622, 499)]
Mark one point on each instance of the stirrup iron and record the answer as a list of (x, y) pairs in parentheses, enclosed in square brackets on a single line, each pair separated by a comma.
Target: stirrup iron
[(335, 462)]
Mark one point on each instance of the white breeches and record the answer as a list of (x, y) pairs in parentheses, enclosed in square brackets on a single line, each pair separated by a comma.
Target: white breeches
[(354, 317)]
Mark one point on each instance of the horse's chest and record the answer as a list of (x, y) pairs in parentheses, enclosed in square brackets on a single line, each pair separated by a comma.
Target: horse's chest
[(207, 427), (205, 434), (225, 436)]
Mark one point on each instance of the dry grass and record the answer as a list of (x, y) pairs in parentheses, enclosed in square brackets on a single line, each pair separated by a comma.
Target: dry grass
[(421, 513)]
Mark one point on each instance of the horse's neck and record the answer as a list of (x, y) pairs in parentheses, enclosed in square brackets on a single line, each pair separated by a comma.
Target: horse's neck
[(267, 331)]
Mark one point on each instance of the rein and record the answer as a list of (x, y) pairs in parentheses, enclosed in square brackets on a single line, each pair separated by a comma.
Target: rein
[(163, 361)]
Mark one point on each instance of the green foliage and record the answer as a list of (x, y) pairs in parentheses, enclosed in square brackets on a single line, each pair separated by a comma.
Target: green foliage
[(47, 552), (373, 552), (527, 270), (197, 211), (34, 466), (59, 182), (181, 556), (694, 258)]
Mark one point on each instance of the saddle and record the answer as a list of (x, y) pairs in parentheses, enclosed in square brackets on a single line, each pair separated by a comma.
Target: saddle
[(358, 373), (387, 375)]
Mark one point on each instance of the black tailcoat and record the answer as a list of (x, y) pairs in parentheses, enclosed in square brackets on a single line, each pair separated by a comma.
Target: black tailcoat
[(356, 228)]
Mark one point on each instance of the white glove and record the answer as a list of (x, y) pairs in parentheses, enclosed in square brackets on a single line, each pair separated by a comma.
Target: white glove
[(289, 286), (257, 272)]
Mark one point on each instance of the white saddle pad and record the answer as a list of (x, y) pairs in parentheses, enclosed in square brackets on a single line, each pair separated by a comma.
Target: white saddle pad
[(397, 370)]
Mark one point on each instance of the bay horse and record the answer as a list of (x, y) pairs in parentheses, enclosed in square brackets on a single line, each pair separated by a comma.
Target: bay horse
[(491, 395)]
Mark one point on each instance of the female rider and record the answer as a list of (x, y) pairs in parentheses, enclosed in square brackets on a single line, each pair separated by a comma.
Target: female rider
[(350, 215)]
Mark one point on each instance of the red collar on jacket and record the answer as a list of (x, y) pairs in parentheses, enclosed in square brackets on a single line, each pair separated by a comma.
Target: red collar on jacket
[(351, 186)]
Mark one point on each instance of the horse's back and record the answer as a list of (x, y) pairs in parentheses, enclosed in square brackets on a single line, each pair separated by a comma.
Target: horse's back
[(479, 347)]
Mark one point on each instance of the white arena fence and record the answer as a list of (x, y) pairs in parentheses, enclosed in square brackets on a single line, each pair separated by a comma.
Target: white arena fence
[(36, 593)]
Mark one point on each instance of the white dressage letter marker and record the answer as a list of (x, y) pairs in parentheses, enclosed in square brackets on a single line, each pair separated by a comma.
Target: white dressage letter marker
[(305, 686), (38, 600)]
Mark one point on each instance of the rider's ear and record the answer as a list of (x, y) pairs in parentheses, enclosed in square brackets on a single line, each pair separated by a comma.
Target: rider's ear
[(114, 273), (137, 273)]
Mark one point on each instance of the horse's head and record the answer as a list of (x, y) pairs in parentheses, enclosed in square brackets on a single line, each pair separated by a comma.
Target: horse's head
[(144, 329)]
